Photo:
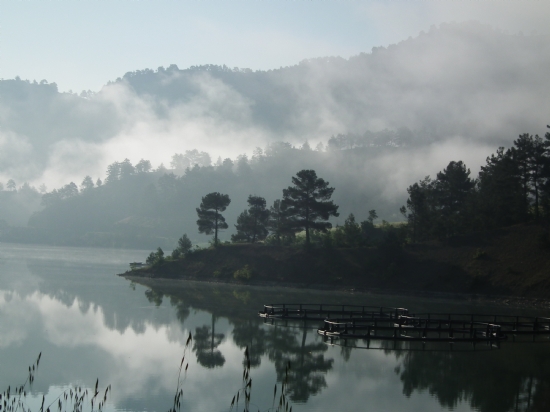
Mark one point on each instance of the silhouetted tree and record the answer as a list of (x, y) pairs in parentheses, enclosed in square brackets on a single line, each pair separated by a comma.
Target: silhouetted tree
[(184, 246), (531, 155), (113, 172), (243, 167), (308, 203), (67, 191), (126, 169), (500, 196), (546, 185), (11, 185), (155, 258), (352, 232), (279, 223), (420, 214), (210, 217), (180, 161), (143, 166), (453, 186), (251, 224), (87, 183)]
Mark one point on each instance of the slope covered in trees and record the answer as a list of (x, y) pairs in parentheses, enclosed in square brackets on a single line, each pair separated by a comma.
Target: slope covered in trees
[(150, 208), (513, 187), (465, 81), (139, 207)]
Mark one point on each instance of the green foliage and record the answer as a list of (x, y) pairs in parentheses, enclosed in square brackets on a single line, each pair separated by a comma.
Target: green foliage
[(280, 224), (352, 232), (156, 258), (184, 247), (243, 274), (307, 202), (210, 219), (513, 187), (252, 223)]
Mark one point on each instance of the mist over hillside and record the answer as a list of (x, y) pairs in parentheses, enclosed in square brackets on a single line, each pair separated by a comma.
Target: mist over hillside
[(456, 92)]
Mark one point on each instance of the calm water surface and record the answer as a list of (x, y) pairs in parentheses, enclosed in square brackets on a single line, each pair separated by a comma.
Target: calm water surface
[(88, 324)]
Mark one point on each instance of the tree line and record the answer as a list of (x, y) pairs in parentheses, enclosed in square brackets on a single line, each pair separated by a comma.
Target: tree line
[(512, 187), (305, 206)]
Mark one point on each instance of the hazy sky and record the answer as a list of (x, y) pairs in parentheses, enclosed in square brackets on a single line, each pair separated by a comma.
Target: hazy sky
[(82, 44)]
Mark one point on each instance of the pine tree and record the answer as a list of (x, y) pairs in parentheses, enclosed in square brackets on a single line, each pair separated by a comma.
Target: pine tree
[(279, 223), (210, 217), (252, 223), (308, 203)]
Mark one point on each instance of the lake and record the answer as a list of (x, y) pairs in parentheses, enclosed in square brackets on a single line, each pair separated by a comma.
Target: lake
[(90, 324)]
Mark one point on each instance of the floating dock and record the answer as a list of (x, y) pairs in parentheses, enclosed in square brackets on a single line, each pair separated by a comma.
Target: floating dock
[(384, 323)]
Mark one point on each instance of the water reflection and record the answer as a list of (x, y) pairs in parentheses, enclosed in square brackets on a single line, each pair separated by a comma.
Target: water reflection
[(506, 380), (483, 376), (206, 343), (90, 324)]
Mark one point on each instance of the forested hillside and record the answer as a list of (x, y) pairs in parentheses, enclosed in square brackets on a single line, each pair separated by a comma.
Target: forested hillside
[(458, 81), (370, 125), (137, 206), (148, 208)]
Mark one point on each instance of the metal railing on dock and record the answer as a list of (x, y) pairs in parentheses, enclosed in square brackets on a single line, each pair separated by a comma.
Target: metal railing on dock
[(403, 329), (373, 322), (321, 311), (510, 324)]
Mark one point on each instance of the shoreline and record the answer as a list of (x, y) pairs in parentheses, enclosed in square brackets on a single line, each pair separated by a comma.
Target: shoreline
[(520, 302), (506, 267)]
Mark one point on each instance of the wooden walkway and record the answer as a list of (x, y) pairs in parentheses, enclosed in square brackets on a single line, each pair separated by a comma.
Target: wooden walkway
[(369, 322)]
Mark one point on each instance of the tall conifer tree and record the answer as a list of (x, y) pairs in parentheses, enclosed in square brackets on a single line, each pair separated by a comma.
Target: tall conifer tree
[(308, 203), (210, 217)]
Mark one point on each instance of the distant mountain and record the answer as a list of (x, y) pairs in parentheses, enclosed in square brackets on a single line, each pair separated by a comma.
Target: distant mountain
[(455, 91)]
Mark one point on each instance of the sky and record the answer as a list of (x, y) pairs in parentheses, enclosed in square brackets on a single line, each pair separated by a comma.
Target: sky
[(83, 44), (462, 89)]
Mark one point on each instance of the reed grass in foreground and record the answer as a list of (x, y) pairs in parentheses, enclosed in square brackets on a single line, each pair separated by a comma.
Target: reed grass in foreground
[(72, 399), (80, 399)]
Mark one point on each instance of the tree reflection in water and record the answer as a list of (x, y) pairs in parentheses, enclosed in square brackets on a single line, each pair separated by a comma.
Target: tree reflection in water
[(282, 344), (487, 380), (501, 380), (309, 366), (249, 333), (205, 344)]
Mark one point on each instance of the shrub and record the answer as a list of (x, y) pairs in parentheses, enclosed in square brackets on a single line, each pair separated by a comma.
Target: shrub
[(243, 274)]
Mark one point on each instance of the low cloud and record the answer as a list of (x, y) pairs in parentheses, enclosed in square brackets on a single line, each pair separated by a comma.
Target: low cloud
[(462, 89)]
